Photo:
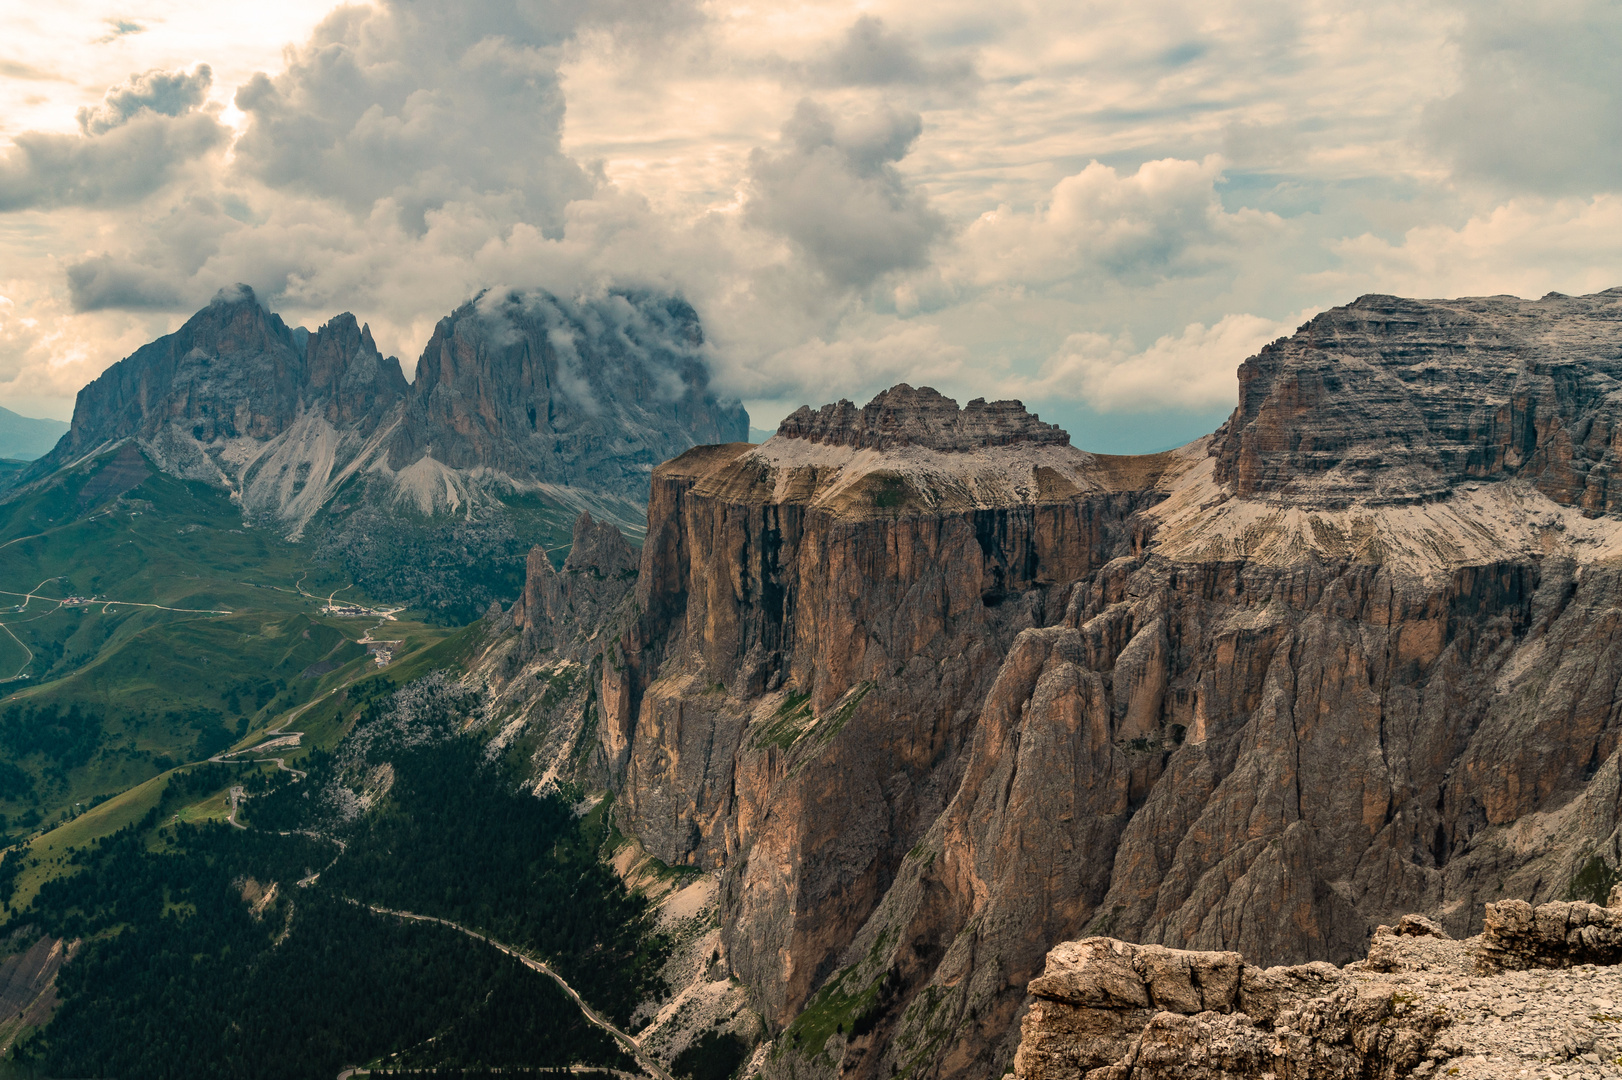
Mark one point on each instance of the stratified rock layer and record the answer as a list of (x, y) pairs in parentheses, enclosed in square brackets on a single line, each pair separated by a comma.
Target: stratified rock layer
[(1390, 400), (903, 416)]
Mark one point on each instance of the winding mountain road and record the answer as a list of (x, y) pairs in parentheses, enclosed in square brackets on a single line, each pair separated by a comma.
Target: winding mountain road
[(630, 1044)]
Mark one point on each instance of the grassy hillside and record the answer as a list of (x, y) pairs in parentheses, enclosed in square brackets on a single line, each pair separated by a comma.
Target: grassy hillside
[(142, 626)]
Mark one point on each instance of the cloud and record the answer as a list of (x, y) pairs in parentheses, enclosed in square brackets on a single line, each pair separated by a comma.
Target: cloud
[(166, 93), (1164, 220), (1538, 107), (833, 190), (101, 282), (990, 201), (871, 54), (117, 28), (123, 165), (421, 105), (858, 364), (1526, 247), (46, 355), (16, 69), (1195, 369), (129, 146)]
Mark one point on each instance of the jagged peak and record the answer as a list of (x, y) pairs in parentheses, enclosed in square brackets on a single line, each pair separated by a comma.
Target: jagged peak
[(922, 416), (599, 546)]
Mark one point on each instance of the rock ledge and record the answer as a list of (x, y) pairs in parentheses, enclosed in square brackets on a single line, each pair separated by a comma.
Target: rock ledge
[(1522, 999)]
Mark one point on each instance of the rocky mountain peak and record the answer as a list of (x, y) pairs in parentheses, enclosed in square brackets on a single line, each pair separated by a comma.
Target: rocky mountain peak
[(599, 546), (905, 416), (347, 373), (591, 391), (566, 402), (1392, 400)]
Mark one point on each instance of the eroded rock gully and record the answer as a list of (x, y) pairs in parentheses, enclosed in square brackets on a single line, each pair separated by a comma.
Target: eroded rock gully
[(931, 705), (1522, 998)]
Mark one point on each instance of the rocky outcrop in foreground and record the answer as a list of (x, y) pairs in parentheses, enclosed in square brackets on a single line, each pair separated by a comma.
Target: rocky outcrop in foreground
[(1525, 997)]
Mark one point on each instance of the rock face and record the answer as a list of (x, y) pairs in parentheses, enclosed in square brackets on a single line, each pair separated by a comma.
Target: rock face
[(1420, 1003), (558, 607), (936, 690), (233, 372), (568, 403), (1391, 400), (903, 416), (590, 395)]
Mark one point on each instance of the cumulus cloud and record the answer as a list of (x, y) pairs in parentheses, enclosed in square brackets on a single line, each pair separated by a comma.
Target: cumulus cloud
[(833, 190), (820, 370), (144, 131), (422, 105), (122, 165), (1164, 220), (1538, 107), (1008, 202), (1194, 369), (1525, 246), (166, 93), (102, 281)]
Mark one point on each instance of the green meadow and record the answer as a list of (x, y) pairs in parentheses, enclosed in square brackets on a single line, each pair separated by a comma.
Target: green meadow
[(194, 634)]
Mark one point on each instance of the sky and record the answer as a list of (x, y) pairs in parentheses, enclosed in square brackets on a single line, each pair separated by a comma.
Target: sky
[(1099, 208)]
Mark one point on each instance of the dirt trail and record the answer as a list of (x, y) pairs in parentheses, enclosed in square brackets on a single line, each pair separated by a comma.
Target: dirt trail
[(630, 1044)]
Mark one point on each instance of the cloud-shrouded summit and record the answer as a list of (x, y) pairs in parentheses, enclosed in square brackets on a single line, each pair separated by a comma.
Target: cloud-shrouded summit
[(1100, 211)]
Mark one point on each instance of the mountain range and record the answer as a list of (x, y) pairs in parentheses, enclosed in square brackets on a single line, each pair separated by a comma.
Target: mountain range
[(524, 407), (883, 710)]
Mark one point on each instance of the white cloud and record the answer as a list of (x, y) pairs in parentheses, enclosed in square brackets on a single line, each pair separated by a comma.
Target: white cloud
[(1193, 370), (1526, 247), (164, 93), (1164, 220), (832, 188), (1538, 106)]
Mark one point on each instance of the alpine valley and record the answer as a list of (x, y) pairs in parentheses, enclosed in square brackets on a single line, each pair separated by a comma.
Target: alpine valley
[(526, 716)]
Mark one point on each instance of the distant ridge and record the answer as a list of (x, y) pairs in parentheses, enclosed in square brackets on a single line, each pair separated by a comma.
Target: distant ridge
[(24, 438)]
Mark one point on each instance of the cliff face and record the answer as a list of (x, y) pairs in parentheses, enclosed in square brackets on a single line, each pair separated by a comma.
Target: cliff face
[(936, 690), (1390, 400), (591, 394)]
